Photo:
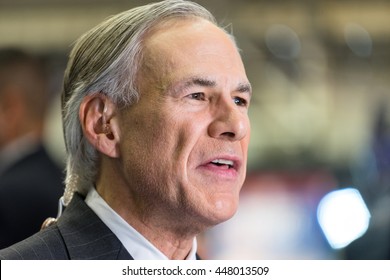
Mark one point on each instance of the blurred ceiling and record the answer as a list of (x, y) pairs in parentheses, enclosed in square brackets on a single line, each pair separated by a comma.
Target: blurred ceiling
[(48, 24)]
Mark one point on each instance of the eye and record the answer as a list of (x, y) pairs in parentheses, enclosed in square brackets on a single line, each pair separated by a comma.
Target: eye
[(240, 101), (197, 96)]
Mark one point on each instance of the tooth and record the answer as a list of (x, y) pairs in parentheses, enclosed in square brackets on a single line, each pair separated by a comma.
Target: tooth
[(223, 161)]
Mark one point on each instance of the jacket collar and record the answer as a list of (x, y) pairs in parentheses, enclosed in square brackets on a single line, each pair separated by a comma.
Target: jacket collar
[(86, 236)]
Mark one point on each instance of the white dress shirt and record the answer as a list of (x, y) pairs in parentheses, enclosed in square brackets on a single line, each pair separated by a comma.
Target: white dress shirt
[(137, 245)]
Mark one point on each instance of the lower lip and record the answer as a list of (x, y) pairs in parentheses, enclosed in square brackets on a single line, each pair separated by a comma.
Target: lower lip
[(220, 171)]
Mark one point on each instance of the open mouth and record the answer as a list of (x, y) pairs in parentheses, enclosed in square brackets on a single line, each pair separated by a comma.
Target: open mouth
[(224, 163)]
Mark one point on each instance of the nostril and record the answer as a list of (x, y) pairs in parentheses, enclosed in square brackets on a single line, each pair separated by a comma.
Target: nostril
[(229, 134)]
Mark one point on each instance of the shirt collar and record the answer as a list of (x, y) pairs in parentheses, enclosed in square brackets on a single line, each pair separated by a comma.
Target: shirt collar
[(137, 245)]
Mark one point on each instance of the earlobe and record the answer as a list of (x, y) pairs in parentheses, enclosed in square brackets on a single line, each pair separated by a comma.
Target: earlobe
[(99, 124)]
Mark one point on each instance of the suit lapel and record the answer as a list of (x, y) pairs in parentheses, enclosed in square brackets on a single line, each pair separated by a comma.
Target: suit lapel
[(86, 236)]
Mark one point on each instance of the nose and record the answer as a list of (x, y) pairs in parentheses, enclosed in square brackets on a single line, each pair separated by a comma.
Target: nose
[(230, 122)]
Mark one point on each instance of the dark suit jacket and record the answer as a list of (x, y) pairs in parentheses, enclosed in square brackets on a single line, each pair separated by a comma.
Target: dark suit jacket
[(29, 193), (78, 234)]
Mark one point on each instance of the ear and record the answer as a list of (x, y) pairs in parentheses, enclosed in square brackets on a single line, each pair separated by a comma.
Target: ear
[(98, 118)]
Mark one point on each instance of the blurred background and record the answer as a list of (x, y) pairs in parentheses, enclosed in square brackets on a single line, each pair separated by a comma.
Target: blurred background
[(318, 184)]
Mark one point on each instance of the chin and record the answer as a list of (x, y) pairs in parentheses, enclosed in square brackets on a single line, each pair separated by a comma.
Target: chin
[(224, 210), (211, 215)]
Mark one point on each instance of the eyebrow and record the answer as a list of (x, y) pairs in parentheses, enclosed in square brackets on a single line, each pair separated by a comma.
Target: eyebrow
[(198, 81), (243, 87)]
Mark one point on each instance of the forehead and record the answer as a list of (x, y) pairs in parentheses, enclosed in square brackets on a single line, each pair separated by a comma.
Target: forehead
[(190, 47), (181, 34)]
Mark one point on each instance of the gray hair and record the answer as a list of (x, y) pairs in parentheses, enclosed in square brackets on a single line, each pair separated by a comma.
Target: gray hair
[(106, 60)]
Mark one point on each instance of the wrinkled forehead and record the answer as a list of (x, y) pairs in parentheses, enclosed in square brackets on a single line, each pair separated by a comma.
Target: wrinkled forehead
[(184, 39), (193, 47)]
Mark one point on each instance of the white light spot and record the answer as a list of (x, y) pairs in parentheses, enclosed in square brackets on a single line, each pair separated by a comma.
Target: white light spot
[(343, 217)]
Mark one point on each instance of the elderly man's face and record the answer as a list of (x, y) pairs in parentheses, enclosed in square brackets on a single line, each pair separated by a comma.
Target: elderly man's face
[(184, 144)]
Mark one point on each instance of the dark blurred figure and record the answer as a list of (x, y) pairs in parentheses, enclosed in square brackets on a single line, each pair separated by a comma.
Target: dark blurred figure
[(30, 181), (372, 174)]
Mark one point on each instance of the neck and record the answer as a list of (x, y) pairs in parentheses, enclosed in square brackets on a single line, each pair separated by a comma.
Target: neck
[(168, 235)]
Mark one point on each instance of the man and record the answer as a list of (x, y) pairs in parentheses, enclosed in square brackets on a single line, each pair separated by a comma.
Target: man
[(156, 127), (30, 181)]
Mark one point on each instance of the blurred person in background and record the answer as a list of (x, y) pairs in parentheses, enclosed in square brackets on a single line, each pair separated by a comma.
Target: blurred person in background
[(30, 181), (155, 112), (372, 173)]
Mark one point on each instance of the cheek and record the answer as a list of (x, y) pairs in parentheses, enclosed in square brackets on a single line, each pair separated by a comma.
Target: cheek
[(155, 142), (184, 140), (245, 145), (245, 141)]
